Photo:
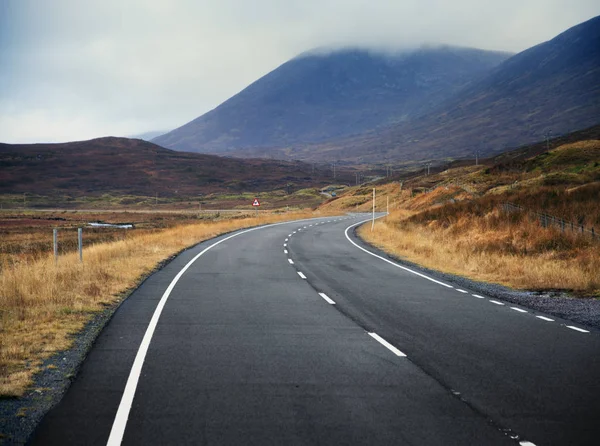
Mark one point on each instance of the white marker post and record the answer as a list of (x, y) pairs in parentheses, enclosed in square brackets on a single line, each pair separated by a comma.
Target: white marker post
[(373, 222), (80, 243), (55, 242)]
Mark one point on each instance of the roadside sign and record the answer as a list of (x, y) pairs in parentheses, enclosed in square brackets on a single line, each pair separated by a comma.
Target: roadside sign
[(256, 202)]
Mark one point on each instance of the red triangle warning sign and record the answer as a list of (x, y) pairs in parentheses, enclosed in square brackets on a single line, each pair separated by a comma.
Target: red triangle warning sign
[(256, 202)]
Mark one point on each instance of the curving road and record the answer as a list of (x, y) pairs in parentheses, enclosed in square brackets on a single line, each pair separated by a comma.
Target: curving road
[(298, 333)]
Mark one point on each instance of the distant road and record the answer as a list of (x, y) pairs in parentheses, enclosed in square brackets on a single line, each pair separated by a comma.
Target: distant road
[(296, 333), (158, 211)]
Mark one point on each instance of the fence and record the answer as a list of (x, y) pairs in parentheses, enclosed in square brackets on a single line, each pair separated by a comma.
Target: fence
[(80, 237), (547, 221)]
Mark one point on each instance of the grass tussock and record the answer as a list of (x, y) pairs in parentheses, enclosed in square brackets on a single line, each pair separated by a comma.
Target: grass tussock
[(42, 304)]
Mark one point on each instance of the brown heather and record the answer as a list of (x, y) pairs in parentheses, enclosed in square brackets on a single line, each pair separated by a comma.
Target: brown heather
[(42, 305), (477, 239)]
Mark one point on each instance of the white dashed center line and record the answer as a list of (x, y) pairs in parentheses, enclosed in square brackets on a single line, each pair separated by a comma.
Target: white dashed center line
[(461, 291), (544, 318), (284, 245), (386, 344), (581, 330), (285, 251), (526, 443), (477, 296), (286, 239), (496, 302), (291, 261), (520, 310), (327, 299), (301, 275)]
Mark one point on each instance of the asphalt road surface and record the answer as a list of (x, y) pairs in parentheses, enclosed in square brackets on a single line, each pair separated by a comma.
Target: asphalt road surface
[(294, 334)]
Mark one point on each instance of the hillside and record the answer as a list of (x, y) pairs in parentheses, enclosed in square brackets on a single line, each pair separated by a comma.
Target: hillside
[(552, 86), (531, 224), (323, 95), (133, 166)]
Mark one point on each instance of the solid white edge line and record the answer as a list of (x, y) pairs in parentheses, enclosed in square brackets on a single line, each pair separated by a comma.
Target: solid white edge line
[(581, 330), (120, 422), (496, 302), (387, 345), (327, 299), (544, 318), (291, 261), (477, 296), (520, 310), (389, 261), (301, 275)]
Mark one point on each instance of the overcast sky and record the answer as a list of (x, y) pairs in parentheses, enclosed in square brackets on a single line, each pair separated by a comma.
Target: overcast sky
[(78, 69)]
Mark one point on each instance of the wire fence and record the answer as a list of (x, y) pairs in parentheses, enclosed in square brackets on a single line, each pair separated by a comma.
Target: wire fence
[(548, 221)]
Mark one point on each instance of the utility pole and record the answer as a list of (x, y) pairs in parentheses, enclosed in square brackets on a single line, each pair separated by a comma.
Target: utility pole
[(428, 166), (477, 157), (548, 134)]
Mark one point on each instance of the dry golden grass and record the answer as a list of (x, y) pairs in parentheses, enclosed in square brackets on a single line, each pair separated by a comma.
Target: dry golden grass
[(42, 304), (510, 250)]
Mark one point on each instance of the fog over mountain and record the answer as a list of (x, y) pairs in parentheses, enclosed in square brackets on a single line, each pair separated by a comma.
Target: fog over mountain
[(324, 93), (434, 103)]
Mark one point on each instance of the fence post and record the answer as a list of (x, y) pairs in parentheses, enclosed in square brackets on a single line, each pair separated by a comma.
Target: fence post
[(593, 233), (80, 243), (55, 242)]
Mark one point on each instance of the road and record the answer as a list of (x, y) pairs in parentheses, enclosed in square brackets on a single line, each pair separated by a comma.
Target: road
[(298, 333)]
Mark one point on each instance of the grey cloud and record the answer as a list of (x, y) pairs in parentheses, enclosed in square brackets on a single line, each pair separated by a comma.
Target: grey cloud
[(75, 70)]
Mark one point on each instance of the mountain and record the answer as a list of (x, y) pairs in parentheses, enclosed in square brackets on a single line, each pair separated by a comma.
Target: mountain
[(552, 86), (331, 94), (133, 166)]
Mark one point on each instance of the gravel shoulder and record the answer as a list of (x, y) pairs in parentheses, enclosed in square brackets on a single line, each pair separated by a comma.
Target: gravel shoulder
[(19, 417)]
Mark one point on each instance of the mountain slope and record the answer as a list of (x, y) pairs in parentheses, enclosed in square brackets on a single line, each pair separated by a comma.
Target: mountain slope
[(554, 85), (133, 166), (320, 95)]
